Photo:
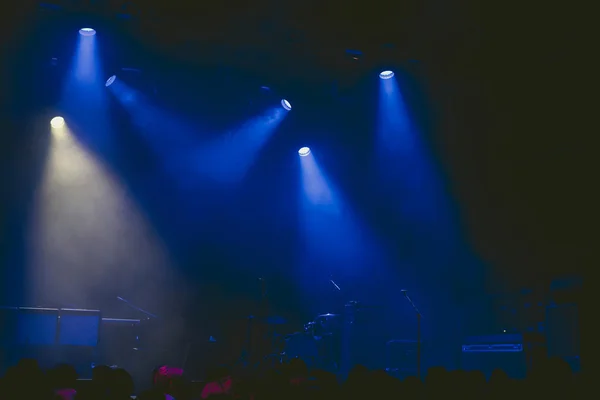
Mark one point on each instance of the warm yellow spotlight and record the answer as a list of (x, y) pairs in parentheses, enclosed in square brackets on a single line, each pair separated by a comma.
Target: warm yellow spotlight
[(57, 122)]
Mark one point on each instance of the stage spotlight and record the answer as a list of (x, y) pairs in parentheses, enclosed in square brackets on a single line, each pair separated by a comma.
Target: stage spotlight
[(87, 32), (304, 151), (57, 122), (110, 80), (386, 75), (286, 104)]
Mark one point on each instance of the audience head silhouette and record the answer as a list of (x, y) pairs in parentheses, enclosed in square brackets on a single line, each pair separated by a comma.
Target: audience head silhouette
[(551, 379)]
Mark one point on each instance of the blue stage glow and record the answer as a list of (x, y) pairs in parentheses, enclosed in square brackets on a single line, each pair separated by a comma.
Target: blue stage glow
[(286, 104), (110, 80), (87, 32), (304, 151), (83, 97), (333, 236), (183, 152), (386, 75), (57, 122)]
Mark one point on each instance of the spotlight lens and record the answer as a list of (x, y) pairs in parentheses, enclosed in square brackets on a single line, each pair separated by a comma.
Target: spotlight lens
[(386, 75), (87, 32), (286, 104), (304, 151), (110, 80), (57, 122)]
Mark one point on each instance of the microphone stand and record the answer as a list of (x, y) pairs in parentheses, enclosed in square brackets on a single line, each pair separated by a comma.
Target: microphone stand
[(148, 317), (419, 317), (335, 285), (148, 314)]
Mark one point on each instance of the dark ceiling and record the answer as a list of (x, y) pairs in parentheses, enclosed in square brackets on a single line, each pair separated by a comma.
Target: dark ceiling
[(499, 77), (304, 39)]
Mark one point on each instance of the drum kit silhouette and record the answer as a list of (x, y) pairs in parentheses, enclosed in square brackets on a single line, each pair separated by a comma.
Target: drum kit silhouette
[(318, 344)]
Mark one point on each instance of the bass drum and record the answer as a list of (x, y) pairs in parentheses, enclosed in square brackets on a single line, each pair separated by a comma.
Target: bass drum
[(304, 346)]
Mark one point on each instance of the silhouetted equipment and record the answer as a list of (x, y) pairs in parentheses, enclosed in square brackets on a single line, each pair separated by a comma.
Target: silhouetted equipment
[(401, 357), (38, 326), (50, 335), (302, 345), (490, 352), (78, 336), (562, 330), (328, 324), (318, 344)]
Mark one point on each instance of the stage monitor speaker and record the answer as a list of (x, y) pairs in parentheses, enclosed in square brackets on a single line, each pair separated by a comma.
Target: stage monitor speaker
[(8, 326), (37, 326), (79, 327), (490, 352)]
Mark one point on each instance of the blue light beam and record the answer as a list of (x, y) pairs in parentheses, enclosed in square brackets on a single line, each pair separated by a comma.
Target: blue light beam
[(169, 135), (333, 233), (229, 158), (84, 98), (316, 190), (411, 181), (334, 242), (404, 165)]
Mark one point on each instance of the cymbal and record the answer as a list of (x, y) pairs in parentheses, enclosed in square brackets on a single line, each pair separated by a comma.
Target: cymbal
[(328, 315)]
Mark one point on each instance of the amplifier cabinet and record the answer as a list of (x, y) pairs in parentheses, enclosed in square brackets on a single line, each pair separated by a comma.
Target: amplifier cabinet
[(37, 326), (79, 327)]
